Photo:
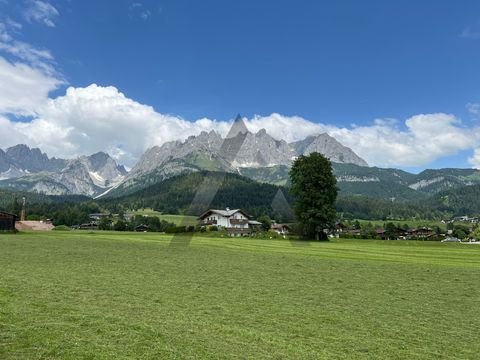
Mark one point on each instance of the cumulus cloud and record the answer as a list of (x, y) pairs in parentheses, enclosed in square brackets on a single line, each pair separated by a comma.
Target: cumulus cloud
[(86, 120), (27, 76), (427, 137), (41, 12), (475, 159), (98, 118), (101, 118)]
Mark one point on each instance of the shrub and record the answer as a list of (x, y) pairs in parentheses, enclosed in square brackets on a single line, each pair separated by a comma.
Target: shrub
[(175, 229), (61, 228)]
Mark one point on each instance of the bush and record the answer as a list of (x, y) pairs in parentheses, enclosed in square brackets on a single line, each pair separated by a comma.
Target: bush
[(120, 226), (176, 229), (61, 228)]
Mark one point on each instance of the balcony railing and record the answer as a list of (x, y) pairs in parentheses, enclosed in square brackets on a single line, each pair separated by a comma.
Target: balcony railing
[(238, 221), (238, 231), (209, 222)]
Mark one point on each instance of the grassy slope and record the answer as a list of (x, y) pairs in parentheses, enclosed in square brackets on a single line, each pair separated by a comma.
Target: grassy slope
[(77, 295), (183, 220)]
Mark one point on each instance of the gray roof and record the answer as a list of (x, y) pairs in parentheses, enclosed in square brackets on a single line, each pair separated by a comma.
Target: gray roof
[(226, 213)]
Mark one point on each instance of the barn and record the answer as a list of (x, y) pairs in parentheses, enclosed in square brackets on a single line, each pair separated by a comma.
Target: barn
[(7, 222)]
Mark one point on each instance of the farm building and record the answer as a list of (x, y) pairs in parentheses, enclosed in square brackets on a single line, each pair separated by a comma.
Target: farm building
[(7, 222), (236, 222)]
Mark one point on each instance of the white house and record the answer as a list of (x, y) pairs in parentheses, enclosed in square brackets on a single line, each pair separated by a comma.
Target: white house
[(236, 221)]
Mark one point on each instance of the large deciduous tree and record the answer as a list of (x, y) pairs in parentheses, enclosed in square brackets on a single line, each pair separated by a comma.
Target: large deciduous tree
[(315, 191)]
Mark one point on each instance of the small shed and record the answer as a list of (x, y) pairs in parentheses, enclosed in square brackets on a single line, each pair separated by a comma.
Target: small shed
[(7, 222)]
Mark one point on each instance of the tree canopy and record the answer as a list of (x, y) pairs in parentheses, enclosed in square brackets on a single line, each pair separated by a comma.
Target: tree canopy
[(315, 192)]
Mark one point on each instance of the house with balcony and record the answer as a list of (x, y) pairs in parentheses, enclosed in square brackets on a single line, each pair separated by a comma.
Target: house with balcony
[(235, 221)]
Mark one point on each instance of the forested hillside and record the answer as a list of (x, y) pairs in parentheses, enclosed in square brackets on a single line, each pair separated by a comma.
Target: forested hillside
[(176, 195)]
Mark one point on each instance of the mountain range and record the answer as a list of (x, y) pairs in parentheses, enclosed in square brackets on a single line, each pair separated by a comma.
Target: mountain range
[(252, 152), (257, 156), (25, 169)]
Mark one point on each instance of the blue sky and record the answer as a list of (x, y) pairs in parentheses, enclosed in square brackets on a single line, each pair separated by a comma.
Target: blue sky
[(339, 64)]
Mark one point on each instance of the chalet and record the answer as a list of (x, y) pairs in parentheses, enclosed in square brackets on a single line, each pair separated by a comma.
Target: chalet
[(98, 216), (280, 229), (92, 225), (236, 221), (393, 234), (7, 222), (421, 233)]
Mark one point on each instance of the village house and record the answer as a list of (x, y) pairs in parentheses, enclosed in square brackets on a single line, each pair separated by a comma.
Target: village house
[(98, 216), (236, 221), (280, 229), (92, 225), (421, 233)]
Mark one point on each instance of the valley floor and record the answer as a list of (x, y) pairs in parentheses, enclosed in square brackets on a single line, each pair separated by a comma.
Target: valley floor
[(78, 295)]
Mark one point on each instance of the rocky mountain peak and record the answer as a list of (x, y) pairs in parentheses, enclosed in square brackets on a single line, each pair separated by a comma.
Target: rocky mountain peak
[(261, 132), (329, 147), (238, 128), (87, 175), (240, 149)]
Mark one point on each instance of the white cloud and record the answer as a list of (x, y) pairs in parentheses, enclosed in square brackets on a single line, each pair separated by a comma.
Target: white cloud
[(473, 109), (27, 77), (140, 10), (427, 137), (23, 88), (145, 14), (469, 33), (86, 120), (96, 118), (136, 5), (475, 159), (36, 58), (41, 12)]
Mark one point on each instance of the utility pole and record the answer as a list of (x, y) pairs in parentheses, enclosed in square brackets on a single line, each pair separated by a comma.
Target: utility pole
[(391, 208), (22, 213)]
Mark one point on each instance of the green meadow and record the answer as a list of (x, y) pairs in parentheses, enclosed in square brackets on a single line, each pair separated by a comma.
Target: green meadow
[(105, 295), (179, 220)]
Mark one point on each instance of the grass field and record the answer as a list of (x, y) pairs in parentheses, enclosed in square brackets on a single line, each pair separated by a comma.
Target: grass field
[(77, 295), (183, 220)]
